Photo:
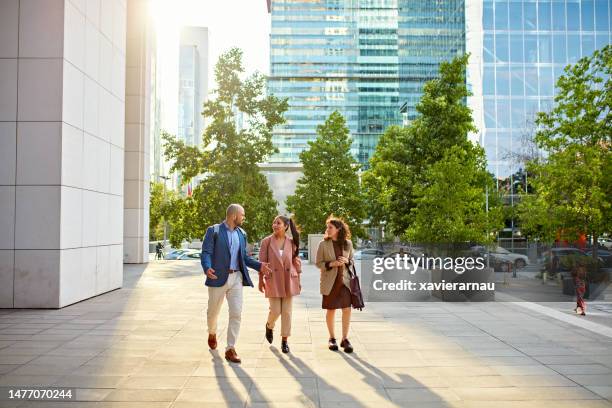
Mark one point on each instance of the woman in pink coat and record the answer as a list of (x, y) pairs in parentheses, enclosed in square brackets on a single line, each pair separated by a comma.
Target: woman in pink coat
[(280, 285)]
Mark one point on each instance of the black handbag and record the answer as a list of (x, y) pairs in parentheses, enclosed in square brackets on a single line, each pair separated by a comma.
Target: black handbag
[(356, 296)]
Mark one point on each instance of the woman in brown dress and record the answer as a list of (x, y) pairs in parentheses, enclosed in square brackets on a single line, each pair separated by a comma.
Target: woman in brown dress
[(334, 255)]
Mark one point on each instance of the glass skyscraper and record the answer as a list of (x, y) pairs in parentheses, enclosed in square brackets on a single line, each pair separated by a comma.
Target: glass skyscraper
[(364, 58), (520, 48), (193, 83)]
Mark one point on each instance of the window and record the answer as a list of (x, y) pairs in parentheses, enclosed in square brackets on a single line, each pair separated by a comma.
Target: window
[(546, 81), (517, 81), (531, 16), (518, 114), (503, 81), (587, 15), (501, 15), (601, 40), (489, 110), (559, 49), (531, 111), (516, 15), (501, 47), (531, 48), (573, 48), (544, 15), (573, 12), (558, 14), (489, 48), (490, 145), (588, 45), (516, 48), (531, 81), (487, 16), (601, 15), (488, 81), (544, 48), (503, 113)]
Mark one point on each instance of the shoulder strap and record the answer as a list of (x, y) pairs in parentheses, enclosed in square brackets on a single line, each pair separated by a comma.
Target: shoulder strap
[(215, 232)]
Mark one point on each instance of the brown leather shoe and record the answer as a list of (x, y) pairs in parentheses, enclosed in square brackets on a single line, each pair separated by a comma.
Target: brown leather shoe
[(231, 356), (212, 341)]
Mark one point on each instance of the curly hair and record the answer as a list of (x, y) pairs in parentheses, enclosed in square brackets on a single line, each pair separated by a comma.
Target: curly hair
[(344, 232)]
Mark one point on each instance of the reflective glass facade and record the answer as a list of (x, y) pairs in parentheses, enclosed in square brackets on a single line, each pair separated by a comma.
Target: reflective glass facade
[(364, 58), (526, 45)]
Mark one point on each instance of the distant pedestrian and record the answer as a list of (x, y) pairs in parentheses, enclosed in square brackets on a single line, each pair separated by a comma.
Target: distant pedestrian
[(159, 251), (579, 275)]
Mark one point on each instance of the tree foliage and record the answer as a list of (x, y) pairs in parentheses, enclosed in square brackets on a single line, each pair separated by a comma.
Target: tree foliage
[(404, 172), (402, 155), (228, 158), (330, 184), (451, 207), (156, 202), (573, 181)]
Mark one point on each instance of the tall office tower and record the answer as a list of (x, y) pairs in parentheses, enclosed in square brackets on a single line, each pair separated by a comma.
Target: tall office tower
[(193, 83), (430, 32), (364, 58), (519, 48)]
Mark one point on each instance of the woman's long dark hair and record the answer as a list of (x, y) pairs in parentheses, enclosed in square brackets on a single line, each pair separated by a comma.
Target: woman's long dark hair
[(344, 232), (295, 233)]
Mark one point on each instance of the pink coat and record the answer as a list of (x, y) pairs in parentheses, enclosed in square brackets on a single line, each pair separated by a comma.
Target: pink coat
[(285, 278)]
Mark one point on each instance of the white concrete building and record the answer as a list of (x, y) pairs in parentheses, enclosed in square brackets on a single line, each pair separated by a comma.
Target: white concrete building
[(74, 135)]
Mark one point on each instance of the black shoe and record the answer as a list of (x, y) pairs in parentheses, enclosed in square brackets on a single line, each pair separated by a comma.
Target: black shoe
[(284, 346), (332, 345), (269, 335), (346, 345)]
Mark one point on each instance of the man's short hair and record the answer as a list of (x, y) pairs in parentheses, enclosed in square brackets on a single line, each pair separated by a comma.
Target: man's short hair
[(233, 209)]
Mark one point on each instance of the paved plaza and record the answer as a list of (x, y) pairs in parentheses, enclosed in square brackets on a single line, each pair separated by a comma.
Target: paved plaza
[(145, 346)]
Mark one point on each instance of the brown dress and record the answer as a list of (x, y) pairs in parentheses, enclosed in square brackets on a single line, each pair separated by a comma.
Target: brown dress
[(340, 295)]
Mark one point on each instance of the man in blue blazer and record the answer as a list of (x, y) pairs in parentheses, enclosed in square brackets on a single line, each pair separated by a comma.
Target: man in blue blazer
[(225, 262)]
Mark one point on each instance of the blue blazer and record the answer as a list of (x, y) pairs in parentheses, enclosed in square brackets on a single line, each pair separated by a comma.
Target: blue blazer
[(216, 255)]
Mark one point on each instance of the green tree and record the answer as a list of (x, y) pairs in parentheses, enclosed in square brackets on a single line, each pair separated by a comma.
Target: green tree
[(330, 184), (573, 181), (403, 155), (156, 202), (228, 157), (451, 206)]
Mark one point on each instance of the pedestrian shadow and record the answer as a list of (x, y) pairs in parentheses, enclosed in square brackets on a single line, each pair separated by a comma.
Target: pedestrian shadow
[(393, 388), (231, 394), (298, 369)]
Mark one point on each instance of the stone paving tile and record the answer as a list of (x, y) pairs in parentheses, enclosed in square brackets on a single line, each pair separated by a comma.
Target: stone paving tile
[(145, 346), (604, 391)]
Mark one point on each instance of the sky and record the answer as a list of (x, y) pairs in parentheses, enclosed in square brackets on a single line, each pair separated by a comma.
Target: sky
[(231, 23)]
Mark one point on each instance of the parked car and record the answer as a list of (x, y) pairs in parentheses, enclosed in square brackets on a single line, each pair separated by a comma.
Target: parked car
[(605, 242), (370, 253), (304, 254), (174, 254), (189, 255), (501, 257), (557, 259), (604, 255)]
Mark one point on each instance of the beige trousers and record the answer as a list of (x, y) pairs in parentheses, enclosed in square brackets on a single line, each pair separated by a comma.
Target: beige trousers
[(281, 307), (232, 290)]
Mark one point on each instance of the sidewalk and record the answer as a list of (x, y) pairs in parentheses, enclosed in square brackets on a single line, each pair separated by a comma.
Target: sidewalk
[(145, 346)]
